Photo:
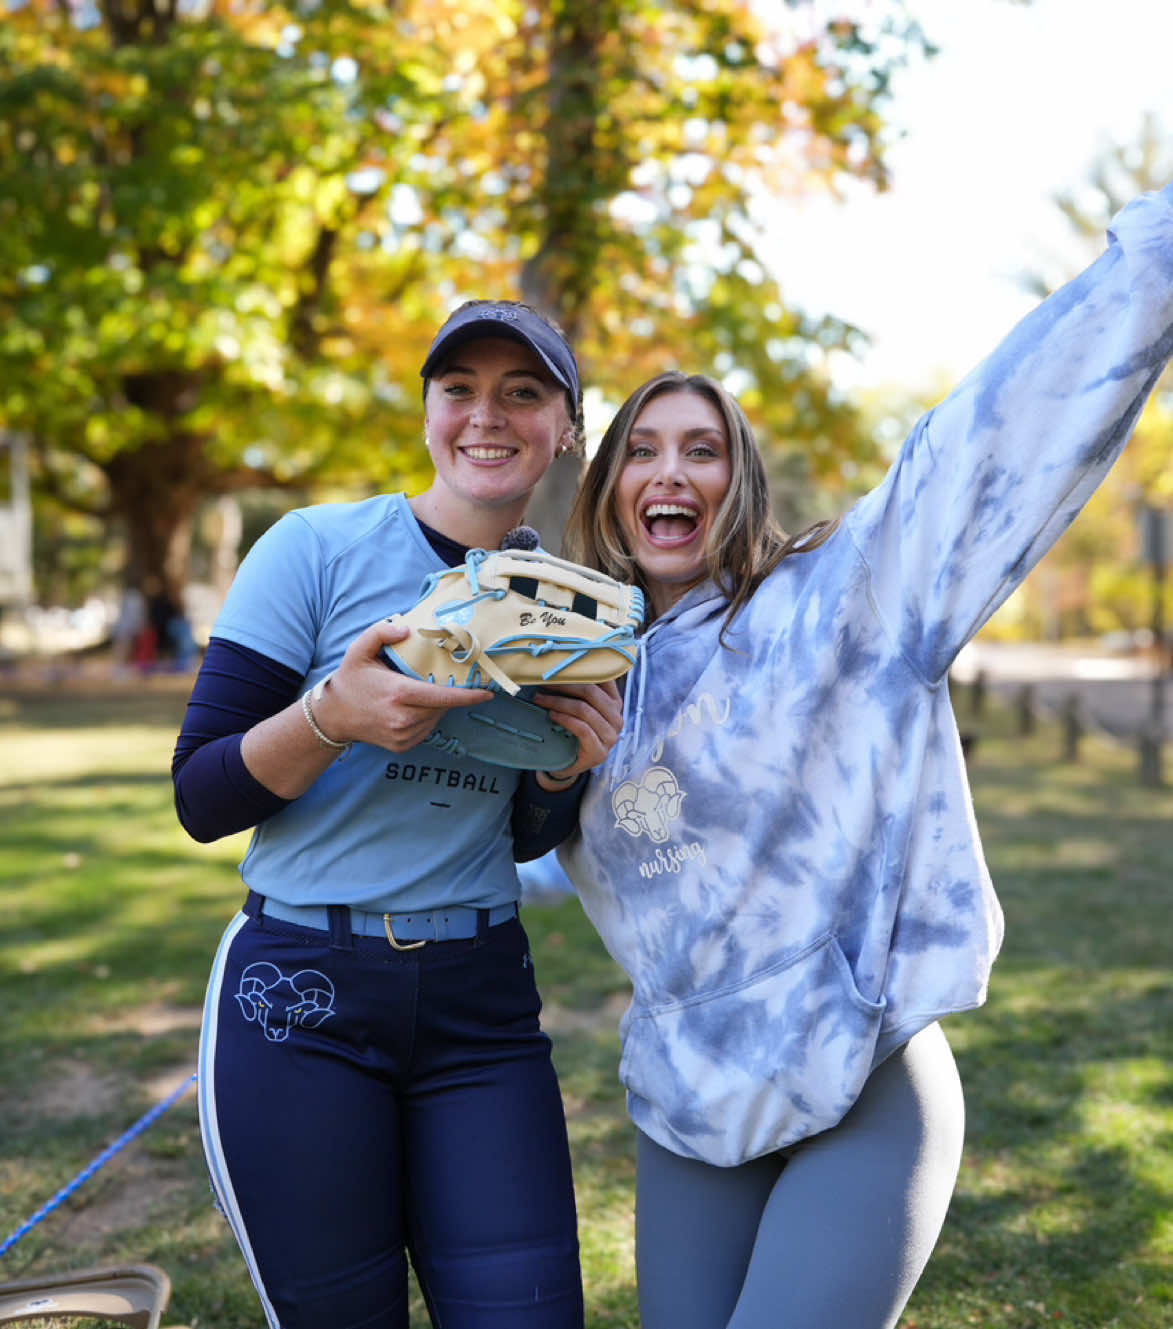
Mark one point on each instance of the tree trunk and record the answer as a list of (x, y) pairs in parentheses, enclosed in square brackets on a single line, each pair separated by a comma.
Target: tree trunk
[(550, 506), (155, 492), (559, 278)]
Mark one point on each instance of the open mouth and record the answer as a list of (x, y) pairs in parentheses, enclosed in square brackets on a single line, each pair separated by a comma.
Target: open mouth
[(670, 522)]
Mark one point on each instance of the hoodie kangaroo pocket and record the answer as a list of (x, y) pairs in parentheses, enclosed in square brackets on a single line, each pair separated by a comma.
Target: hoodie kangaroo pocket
[(729, 1075)]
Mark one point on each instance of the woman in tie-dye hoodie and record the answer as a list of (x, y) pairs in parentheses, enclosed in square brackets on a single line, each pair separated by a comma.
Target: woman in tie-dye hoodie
[(781, 849)]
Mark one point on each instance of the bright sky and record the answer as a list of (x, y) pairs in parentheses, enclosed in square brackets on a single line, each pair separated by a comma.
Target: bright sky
[(1015, 107)]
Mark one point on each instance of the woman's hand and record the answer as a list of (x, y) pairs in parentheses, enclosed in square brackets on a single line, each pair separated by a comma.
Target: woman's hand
[(369, 703), (363, 702), (593, 713)]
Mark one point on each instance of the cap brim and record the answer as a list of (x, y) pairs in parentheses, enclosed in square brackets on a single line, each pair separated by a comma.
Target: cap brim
[(480, 330)]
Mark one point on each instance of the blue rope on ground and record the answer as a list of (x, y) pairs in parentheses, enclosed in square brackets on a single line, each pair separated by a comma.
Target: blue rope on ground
[(102, 1159)]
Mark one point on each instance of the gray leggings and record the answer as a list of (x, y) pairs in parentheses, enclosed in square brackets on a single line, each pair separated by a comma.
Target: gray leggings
[(831, 1233)]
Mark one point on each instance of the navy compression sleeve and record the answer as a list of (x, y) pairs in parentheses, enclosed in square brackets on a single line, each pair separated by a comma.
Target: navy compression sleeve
[(215, 794), (541, 819)]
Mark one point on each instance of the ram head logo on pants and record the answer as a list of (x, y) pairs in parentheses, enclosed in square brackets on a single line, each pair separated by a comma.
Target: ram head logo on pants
[(279, 1003)]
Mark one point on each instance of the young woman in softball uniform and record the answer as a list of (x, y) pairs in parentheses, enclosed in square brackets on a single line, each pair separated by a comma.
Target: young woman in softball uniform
[(374, 1085)]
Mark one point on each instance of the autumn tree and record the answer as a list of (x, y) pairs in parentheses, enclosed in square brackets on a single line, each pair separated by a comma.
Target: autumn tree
[(174, 201), (662, 129), (229, 229)]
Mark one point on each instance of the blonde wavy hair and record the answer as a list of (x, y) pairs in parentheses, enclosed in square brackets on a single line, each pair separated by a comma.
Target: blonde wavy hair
[(746, 543)]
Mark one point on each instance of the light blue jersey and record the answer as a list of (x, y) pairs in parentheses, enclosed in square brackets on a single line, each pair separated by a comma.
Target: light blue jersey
[(781, 850), (379, 830)]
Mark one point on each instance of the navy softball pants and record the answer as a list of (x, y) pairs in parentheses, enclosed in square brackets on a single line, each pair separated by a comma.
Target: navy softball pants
[(361, 1106)]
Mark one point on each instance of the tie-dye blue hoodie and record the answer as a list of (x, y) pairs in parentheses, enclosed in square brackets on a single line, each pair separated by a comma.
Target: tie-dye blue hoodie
[(781, 849)]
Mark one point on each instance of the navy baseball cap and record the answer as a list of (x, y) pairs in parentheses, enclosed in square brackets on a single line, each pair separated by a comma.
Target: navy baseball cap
[(484, 318)]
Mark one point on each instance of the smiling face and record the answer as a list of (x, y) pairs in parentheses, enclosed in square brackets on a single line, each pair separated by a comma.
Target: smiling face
[(672, 482), (495, 418)]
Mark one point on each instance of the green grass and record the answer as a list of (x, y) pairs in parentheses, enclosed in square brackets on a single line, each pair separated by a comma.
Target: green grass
[(109, 916)]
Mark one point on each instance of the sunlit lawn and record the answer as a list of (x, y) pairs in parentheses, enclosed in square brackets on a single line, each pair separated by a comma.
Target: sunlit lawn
[(109, 916)]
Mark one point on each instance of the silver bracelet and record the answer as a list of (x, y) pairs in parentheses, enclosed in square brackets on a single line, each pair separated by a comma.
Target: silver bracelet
[(308, 711)]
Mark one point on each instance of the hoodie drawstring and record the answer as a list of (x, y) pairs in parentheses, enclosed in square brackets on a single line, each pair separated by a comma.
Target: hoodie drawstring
[(633, 718)]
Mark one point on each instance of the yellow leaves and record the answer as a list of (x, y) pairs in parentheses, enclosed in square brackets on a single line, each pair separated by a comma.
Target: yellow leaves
[(803, 80), (422, 77), (1151, 451), (330, 196), (300, 183), (464, 30), (259, 300), (263, 24)]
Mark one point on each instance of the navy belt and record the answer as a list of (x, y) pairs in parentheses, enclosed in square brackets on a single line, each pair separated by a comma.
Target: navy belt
[(405, 932)]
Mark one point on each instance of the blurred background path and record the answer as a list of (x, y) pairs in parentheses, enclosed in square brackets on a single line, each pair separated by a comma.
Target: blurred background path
[(1116, 690)]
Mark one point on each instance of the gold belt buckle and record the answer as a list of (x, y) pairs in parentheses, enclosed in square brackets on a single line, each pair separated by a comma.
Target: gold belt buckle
[(401, 945)]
